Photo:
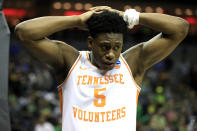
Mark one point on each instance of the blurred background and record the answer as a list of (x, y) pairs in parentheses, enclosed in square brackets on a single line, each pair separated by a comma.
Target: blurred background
[(168, 98)]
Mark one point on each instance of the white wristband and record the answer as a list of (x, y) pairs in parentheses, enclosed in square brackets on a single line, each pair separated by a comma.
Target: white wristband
[(131, 17)]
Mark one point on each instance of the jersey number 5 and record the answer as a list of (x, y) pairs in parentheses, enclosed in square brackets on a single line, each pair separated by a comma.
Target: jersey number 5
[(101, 97)]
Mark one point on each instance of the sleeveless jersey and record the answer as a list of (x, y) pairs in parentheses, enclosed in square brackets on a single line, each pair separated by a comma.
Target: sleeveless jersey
[(94, 100)]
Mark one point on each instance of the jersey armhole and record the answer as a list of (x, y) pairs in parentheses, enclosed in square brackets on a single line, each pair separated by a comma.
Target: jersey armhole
[(128, 68), (70, 71)]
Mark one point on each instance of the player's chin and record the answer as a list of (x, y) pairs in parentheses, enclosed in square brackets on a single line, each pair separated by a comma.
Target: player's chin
[(108, 66)]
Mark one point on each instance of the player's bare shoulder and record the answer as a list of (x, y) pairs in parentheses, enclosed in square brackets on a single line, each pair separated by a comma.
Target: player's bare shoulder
[(68, 52)]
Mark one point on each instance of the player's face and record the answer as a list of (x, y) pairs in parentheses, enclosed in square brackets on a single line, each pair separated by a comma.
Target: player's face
[(106, 49)]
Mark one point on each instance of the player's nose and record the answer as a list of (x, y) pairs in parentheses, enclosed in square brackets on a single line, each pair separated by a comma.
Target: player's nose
[(110, 55)]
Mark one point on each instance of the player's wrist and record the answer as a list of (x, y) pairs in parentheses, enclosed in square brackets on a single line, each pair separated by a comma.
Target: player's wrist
[(79, 21), (131, 17)]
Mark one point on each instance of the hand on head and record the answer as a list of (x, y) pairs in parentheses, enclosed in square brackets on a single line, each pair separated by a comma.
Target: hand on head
[(85, 16), (97, 9), (101, 8)]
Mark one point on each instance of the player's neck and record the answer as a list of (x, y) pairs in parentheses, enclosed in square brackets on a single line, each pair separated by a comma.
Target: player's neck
[(90, 57)]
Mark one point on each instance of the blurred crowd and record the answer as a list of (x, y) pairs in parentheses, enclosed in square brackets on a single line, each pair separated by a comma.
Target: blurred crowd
[(167, 100)]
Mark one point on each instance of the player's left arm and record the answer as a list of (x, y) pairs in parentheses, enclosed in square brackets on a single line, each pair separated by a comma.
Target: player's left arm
[(173, 30)]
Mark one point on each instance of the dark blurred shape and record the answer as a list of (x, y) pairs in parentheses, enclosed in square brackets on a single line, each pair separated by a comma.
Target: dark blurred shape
[(1, 3), (44, 7), (4, 47)]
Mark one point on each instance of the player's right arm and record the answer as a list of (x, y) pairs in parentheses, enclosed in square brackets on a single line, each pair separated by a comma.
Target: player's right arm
[(33, 35)]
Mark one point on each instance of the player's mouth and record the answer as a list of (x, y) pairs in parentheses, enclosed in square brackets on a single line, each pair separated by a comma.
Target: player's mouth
[(109, 64)]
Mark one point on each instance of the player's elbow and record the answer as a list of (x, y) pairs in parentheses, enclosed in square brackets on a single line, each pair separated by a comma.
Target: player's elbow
[(183, 28), (20, 32)]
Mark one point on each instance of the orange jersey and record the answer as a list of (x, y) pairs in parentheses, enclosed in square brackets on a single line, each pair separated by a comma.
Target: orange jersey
[(93, 100)]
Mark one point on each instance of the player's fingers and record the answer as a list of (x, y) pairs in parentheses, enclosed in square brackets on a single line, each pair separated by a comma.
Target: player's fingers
[(100, 8), (98, 12)]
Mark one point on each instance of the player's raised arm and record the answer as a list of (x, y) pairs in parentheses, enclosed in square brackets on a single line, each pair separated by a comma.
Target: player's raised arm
[(142, 56), (173, 30), (33, 35)]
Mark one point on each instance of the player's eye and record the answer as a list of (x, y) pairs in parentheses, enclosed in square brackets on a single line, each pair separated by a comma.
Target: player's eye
[(105, 47), (116, 48)]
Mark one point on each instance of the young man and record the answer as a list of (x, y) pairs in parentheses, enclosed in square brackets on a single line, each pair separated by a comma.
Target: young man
[(99, 88)]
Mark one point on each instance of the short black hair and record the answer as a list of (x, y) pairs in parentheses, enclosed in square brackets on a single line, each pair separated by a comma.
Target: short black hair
[(106, 22)]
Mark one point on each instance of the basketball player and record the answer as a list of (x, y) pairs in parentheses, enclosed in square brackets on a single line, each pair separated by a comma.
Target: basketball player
[(99, 88)]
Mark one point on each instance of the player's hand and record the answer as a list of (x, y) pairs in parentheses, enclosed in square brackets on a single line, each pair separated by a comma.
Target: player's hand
[(101, 8), (97, 9), (85, 16)]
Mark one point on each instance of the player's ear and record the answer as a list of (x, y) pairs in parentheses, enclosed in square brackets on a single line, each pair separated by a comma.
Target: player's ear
[(90, 42)]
